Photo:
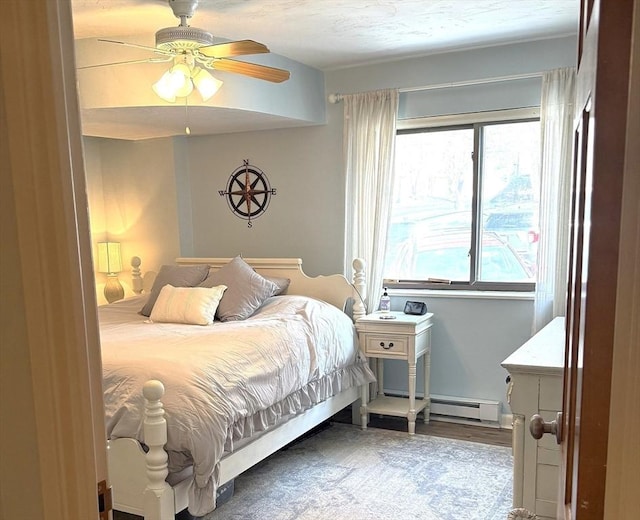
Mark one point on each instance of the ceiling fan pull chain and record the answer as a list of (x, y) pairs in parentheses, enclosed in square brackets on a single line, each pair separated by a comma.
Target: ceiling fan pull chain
[(187, 130)]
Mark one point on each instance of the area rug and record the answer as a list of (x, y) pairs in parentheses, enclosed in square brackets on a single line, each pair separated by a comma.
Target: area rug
[(343, 472)]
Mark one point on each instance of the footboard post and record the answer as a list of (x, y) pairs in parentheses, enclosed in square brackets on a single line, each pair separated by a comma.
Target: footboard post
[(360, 285), (158, 496)]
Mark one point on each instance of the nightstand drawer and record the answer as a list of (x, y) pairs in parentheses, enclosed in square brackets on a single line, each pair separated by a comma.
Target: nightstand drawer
[(387, 345)]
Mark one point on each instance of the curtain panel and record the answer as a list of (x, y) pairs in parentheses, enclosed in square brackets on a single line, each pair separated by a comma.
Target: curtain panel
[(556, 123), (368, 148)]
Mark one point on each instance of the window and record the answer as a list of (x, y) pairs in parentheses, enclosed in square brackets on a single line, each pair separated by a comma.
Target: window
[(465, 206)]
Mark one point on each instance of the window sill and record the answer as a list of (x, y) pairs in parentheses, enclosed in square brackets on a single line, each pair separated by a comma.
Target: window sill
[(462, 294)]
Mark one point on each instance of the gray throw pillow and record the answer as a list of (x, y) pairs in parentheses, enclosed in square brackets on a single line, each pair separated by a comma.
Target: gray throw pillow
[(282, 283), (246, 290), (176, 275)]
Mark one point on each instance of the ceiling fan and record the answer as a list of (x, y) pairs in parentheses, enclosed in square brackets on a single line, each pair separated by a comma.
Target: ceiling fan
[(192, 51)]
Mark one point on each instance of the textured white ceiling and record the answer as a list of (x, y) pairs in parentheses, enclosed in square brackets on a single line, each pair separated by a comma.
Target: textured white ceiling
[(325, 34), (330, 34)]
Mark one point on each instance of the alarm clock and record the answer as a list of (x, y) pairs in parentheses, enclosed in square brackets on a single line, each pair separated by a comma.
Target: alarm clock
[(415, 308)]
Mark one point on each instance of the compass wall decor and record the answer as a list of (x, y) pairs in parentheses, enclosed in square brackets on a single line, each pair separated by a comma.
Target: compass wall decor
[(248, 192)]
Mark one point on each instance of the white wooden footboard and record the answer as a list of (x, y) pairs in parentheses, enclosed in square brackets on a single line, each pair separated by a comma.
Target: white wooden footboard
[(158, 495), (138, 477)]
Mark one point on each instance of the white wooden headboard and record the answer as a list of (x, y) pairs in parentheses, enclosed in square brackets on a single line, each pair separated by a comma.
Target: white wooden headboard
[(334, 289)]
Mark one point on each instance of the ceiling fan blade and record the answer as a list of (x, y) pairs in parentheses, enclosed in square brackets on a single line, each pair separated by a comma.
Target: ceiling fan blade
[(239, 48), (252, 69), (148, 60), (135, 45)]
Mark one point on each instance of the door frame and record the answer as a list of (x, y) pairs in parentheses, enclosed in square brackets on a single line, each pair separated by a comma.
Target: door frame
[(51, 368), (623, 461)]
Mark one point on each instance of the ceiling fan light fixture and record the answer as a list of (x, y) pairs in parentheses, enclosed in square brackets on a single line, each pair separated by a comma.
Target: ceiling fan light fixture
[(185, 89), (176, 82), (186, 46), (206, 84), (181, 79), (165, 88)]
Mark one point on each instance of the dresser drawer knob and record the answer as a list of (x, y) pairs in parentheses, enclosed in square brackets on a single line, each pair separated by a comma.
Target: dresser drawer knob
[(386, 347)]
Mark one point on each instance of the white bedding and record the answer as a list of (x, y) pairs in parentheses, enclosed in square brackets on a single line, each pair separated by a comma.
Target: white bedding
[(225, 381)]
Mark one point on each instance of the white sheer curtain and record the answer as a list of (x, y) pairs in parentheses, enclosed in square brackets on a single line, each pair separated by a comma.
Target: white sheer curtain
[(369, 144), (556, 122)]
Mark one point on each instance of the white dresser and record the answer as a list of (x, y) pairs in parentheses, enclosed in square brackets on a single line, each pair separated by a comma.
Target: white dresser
[(536, 371)]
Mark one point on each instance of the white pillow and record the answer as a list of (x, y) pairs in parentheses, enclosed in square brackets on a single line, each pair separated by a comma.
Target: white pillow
[(192, 305)]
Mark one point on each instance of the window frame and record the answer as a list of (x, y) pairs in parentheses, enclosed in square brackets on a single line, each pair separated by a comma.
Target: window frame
[(476, 121)]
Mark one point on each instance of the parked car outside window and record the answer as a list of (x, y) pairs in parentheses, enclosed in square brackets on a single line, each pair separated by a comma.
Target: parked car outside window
[(518, 227), (446, 256)]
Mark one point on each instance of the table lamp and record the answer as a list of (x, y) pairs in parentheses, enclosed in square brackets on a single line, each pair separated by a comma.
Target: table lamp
[(110, 263)]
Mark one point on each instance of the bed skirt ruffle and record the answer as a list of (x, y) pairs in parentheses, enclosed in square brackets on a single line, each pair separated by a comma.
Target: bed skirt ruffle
[(202, 493)]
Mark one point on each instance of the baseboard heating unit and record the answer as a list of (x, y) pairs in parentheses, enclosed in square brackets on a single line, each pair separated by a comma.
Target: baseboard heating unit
[(463, 409)]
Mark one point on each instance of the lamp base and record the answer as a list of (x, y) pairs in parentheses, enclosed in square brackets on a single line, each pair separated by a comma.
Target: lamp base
[(113, 290)]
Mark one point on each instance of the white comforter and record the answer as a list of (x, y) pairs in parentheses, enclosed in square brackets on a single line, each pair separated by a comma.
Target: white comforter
[(225, 381)]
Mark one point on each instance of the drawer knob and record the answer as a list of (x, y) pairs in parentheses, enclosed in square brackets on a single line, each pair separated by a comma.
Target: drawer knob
[(538, 427), (386, 347)]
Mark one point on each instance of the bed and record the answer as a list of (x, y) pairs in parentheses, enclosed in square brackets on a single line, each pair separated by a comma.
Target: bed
[(190, 407)]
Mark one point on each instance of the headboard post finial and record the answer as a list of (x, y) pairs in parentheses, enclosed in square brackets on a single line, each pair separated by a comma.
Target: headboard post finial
[(136, 277), (360, 285)]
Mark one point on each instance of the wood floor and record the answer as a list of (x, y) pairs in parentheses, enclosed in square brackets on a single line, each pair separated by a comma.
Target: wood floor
[(466, 432)]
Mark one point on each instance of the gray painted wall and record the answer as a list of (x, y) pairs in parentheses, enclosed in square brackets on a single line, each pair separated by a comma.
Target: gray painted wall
[(471, 336), (488, 62), (306, 217), (133, 200)]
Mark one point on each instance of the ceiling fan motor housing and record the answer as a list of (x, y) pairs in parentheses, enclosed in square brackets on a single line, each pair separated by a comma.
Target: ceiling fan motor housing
[(181, 38)]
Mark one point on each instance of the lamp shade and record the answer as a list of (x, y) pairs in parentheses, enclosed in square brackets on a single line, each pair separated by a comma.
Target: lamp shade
[(179, 81), (109, 257), (206, 84), (165, 88), (181, 74)]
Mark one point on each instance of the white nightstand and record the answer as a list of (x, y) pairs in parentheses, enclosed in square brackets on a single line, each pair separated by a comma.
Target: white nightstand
[(405, 337)]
